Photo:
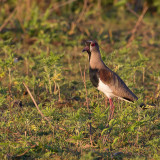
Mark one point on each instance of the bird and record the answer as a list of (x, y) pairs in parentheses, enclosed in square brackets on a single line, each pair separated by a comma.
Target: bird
[(106, 80)]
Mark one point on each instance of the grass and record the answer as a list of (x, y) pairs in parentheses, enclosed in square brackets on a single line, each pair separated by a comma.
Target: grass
[(43, 50)]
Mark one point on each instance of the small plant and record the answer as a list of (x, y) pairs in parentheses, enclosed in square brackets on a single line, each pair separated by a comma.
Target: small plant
[(40, 46)]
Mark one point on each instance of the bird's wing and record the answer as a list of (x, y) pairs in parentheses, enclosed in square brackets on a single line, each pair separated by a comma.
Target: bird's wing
[(116, 84)]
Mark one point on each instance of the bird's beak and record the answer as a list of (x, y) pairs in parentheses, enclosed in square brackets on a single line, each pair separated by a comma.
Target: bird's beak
[(87, 47)]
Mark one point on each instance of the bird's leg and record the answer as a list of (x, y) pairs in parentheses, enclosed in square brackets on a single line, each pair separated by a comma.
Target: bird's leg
[(111, 109), (106, 100)]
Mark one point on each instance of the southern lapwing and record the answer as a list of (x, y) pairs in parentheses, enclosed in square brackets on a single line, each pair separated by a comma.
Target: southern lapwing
[(105, 79)]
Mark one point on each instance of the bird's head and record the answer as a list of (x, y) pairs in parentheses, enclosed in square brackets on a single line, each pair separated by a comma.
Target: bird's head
[(91, 46)]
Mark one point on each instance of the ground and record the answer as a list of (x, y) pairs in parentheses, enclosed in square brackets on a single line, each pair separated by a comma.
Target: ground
[(43, 50)]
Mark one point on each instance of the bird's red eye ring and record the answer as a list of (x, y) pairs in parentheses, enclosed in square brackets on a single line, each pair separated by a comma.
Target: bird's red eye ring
[(93, 44)]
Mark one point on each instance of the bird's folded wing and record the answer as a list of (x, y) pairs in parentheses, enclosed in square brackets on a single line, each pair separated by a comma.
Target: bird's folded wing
[(116, 84)]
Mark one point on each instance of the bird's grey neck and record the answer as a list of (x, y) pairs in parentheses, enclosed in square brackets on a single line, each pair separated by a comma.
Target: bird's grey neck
[(89, 55), (95, 61)]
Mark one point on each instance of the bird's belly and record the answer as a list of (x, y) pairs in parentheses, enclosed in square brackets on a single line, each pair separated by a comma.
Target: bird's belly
[(105, 89)]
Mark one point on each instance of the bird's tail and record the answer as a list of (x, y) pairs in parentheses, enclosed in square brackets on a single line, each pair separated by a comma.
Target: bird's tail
[(147, 106)]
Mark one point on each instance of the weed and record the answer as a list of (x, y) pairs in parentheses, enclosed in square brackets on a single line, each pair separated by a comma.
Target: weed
[(40, 46)]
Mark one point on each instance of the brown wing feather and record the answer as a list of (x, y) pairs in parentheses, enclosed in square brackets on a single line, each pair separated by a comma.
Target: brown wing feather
[(116, 84)]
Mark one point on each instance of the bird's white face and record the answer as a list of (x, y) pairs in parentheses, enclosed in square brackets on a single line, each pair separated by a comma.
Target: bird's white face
[(91, 46)]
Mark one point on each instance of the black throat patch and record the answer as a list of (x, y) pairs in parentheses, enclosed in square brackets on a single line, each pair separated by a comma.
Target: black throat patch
[(89, 54), (94, 76)]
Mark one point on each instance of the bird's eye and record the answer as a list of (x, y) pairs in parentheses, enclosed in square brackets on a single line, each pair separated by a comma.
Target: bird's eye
[(93, 44)]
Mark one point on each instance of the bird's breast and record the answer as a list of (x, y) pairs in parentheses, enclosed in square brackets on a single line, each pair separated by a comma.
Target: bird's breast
[(94, 76)]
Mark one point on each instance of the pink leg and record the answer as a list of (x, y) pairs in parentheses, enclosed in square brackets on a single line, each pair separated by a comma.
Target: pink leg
[(106, 100), (111, 109)]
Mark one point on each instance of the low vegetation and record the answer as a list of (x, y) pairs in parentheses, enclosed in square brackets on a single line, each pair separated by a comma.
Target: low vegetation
[(40, 50)]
